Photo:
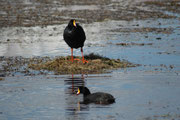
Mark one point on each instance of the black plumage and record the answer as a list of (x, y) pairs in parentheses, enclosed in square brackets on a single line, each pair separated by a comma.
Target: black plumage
[(75, 37), (98, 97)]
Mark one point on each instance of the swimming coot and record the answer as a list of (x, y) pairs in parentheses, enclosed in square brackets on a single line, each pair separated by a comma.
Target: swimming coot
[(98, 97), (75, 37)]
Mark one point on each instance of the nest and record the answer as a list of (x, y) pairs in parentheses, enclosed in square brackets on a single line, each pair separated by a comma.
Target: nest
[(96, 64)]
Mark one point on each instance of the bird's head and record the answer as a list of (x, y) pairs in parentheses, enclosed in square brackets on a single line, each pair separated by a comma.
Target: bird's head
[(72, 22), (83, 90)]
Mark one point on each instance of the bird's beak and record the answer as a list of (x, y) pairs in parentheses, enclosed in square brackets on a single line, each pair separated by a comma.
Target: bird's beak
[(74, 23), (78, 92)]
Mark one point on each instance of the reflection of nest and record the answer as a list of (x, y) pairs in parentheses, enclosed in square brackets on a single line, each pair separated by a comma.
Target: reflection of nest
[(96, 64)]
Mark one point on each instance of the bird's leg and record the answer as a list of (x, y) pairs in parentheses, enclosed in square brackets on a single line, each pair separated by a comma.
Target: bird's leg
[(72, 59), (83, 60)]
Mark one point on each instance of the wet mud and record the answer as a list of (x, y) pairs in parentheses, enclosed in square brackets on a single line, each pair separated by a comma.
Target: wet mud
[(46, 12), (132, 44), (11, 66), (172, 5), (163, 116)]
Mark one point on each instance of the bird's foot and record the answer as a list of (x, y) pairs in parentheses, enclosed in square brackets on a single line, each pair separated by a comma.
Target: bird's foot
[(72, 60), (77, 59), (85, 61)]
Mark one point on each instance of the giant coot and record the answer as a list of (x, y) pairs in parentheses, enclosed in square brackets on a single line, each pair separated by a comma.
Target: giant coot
[(75, 37), (98, 97)]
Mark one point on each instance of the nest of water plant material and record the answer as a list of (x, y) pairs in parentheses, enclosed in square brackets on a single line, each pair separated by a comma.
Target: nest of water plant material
[(96, 64)]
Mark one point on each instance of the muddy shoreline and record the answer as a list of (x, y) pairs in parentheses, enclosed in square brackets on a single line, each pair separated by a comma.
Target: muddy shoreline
[(33, 13)]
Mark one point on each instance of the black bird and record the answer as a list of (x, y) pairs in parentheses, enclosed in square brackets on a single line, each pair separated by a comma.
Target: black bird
[(75, 37), (98, 97)]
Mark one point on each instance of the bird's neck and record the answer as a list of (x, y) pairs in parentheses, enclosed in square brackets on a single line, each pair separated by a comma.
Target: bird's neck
[(87, 93), (70, 26)]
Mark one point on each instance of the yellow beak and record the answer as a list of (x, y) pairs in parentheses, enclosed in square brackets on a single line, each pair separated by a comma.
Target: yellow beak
[(78, 92), (74, 23)]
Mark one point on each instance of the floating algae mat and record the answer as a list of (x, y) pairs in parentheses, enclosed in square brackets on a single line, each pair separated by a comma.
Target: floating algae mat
[(96, 64)]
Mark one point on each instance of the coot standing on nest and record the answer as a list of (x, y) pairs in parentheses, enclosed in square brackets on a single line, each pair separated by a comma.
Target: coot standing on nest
[(98, 97), (75, 37)]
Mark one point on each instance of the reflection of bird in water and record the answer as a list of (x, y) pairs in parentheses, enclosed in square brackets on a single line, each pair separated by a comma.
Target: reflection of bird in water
[(73, 82), (98, 97), (75, 37), (71, 99)]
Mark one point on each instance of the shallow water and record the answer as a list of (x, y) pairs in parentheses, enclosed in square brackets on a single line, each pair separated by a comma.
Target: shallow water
[(150, 91), (138, 95)]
